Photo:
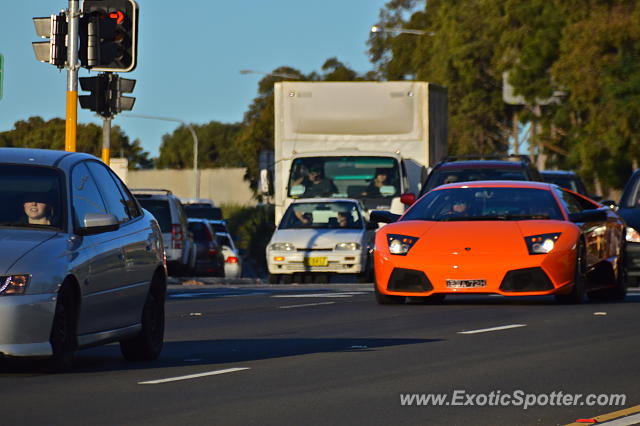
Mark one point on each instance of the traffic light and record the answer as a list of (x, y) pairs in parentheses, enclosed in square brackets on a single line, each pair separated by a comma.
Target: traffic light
[(109, 35), (97, 100), (106, 94), (54, 28)]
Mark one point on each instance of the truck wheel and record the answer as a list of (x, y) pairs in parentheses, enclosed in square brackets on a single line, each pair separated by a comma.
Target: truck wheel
[(274, 278)]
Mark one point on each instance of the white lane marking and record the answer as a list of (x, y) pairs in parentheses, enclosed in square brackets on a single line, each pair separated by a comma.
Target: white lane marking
[(624, 421), (193, 376), (343, 294), (305, 305), (486, 330)]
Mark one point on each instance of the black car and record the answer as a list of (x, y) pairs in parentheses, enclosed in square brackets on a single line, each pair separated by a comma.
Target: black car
[(473, 168), (567, 179), (629, 209), (203, 211), (209, 258)]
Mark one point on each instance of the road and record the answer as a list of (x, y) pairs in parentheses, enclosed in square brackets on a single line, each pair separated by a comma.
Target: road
[(311, 354)]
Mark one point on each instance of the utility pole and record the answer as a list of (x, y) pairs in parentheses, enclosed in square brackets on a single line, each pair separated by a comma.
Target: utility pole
[(72, 76)]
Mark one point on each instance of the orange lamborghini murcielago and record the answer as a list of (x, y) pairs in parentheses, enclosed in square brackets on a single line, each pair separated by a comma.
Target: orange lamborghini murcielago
[(500, 237)]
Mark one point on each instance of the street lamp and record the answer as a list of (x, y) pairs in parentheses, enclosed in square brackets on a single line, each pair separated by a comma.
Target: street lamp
[(273, 74), (379, 29), (196, 177)]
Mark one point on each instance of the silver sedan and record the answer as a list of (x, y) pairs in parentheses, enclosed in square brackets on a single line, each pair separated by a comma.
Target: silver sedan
[(81, 263)]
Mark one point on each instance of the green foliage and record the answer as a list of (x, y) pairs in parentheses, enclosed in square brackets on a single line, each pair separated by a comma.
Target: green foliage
[(37, 133), (588, 49), (252, 227), (215, 147)]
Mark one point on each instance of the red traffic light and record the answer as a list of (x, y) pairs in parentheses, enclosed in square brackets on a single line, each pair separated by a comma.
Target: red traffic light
[(118, 16)]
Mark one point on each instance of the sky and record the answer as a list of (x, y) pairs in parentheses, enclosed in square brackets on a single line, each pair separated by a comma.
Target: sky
[(189, 57)]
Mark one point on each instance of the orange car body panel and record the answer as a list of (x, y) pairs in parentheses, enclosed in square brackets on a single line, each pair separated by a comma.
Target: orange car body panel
[(484, 250)]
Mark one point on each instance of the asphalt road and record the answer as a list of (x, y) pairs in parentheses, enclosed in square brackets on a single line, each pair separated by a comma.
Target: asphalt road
[(309, 354)]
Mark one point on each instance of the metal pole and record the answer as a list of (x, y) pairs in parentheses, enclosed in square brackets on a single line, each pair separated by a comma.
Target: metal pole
[(196, 175), (106, 140), (72, 76)]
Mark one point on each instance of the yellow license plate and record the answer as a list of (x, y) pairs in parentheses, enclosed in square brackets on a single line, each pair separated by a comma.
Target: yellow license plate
[(316, 261)]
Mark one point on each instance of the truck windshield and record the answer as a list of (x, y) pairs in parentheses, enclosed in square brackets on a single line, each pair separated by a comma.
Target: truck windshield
[(350, 176)]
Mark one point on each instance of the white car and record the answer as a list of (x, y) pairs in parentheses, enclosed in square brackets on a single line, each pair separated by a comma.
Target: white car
[(318, 237)]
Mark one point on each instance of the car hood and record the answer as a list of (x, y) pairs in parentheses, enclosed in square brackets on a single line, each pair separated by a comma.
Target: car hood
[(15, 243), (317, 238)]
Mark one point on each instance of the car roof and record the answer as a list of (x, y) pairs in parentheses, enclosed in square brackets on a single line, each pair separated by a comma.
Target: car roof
[(482, 164), (325, 200), (498, 184), (40, 157), (558, 172)]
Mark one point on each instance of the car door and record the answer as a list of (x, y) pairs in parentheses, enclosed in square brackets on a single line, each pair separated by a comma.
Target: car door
[(99, 307), (129, 287)]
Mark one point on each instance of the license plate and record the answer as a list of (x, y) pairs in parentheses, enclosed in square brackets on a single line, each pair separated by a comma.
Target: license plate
[(316, 261), (466, 283)]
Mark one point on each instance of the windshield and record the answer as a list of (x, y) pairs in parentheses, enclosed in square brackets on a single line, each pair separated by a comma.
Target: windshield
[(472, 174), (30, 196), (199, 212), (352, 177), (339, 215), (464, 204)]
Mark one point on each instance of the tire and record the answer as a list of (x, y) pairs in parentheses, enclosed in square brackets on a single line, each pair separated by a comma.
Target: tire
[(286, 278), (578, 292), (384, 299), (274, 278), (63, 332), (619, 291), (147, 344)]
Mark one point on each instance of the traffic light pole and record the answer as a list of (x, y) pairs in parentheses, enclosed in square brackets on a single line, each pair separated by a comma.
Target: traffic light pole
[(106, 140), (72, 76)]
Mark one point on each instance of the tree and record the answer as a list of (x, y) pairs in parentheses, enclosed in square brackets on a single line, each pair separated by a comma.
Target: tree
[(35, 132)]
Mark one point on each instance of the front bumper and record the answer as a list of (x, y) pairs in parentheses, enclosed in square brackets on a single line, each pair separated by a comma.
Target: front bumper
[(25, 324), (518, 276), (335, 261)]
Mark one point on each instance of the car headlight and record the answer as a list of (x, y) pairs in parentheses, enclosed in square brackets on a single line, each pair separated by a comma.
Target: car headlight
[(541, 244), (14, 284), (282, 247), (348, 246), (400, 244), (632, 235)]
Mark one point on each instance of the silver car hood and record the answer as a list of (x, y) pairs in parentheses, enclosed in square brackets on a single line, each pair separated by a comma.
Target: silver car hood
[(317, 238), (15, 243)]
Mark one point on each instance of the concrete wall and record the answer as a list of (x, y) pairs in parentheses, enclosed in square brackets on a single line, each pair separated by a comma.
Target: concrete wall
[(223, 186)]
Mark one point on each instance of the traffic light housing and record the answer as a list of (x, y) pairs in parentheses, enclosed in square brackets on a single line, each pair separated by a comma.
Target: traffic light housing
[(109, 35), (55, 28), (106, 94)]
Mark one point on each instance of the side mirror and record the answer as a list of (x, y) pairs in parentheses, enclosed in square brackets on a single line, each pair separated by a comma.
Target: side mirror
[(408, 198), (609, 203), (383, 216), (588, 216), (96, 223)]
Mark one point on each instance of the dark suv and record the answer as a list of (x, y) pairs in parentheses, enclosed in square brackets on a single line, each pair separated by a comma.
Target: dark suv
[(471, 168)]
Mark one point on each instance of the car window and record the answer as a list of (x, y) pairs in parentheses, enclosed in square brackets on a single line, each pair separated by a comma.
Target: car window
[(219, 227), (485, 203), (573, 203), (85, 195), (223, 240), (200, 212), (200, 232), (443, 175), (20, 182), (110, 191), (132, 206), (160, 210)]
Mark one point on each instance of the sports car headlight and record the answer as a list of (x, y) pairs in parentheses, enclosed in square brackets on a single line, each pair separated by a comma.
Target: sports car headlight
[(400, 244), (541, 244), (348, 246), (282, 247), (14, 284), (632, 235)]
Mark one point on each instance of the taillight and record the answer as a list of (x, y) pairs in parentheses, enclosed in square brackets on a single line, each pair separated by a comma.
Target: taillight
[(177, 237), (213, 252), (231, 259)]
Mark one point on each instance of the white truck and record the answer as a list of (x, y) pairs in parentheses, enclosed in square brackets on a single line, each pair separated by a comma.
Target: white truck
[(335, 139)]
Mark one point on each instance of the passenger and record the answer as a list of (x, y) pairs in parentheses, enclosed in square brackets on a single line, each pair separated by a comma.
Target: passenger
[(380, 179), (344, 220), (39, 208), (317, 185)]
